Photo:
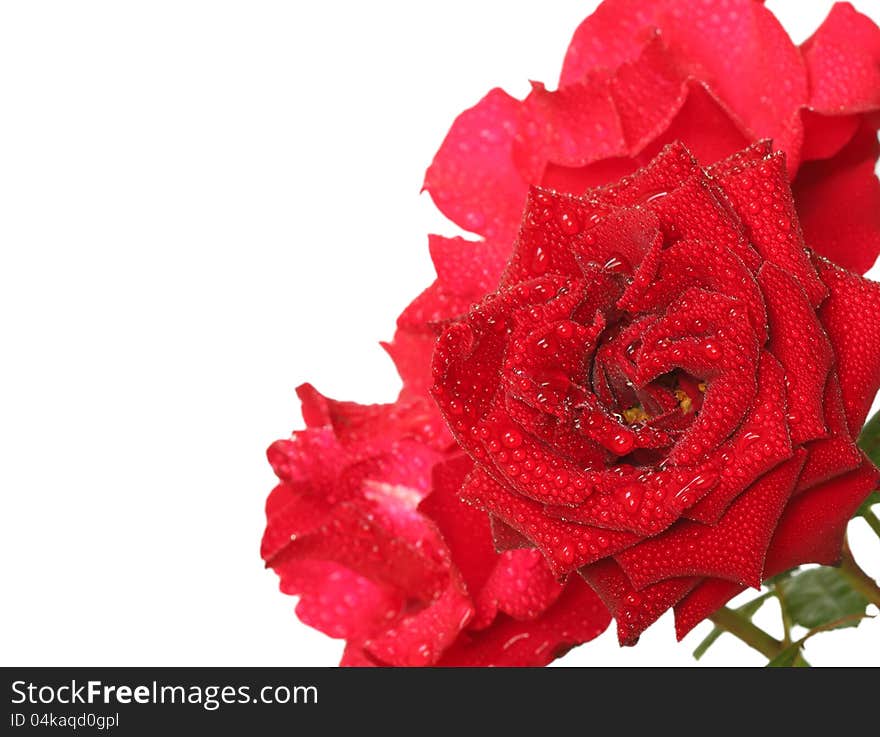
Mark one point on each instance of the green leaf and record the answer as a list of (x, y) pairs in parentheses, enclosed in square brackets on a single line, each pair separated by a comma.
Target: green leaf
[(820, 596), (788, 658), (869, 439), (748, 610), (779, 578)]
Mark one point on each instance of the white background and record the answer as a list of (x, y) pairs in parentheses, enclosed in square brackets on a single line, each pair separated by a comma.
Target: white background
[(203, 204)]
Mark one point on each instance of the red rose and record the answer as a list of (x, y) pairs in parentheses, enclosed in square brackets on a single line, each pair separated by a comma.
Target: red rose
[(640, 74), (662, 394), (366, 527)]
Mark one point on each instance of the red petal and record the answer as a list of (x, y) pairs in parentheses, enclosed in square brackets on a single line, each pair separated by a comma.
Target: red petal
[(615, 33), (634, 611), (693, 212), (760, 194), (810, 531), (566, 546), (667, 171), (472, 179), (648, 93), (421, 638), (843, 62), (724, 352), (580, 179), (736, 162), (839, 204), (737, 49), (290, 512), (577, 617), (759, 445), (836, 454), (468, 268), (707, 597), (354, 657), (641, 502), (551, 226), (799, 342), (411, 351), (364, 547), (465, 530), (704, 124), (337, 601), (709, 265), (825, 135), (733, 549), (849, 316), (573, 126), (521, 586), (434, 305), (812, 528)]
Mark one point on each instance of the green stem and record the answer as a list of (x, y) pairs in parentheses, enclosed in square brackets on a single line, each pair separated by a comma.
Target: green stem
[(872, 520), (752, 635), (737, 625), (786, 616), (859, 580)]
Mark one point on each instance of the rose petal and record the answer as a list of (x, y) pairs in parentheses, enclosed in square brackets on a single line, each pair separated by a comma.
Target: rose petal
[(843, 62), (468, 268), (825, 135), (836, 454), (648, 93), (615, 33), (577, 617), (761, 196), (760, 444), (739, 48), (838, 201), (732, 549), (337, 601), (704, 124), (421, 638), (573, 126), (472, 178), (849, 317), (521, 585), (634, 611), (464, 529), (799, 342), (411, 352), (566, 546), (810, 531)]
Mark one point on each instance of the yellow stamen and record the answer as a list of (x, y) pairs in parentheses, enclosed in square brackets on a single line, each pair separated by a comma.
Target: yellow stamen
[(684, 401), (635, 414)]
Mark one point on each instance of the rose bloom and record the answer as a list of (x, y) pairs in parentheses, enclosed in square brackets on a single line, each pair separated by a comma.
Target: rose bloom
[(367, 526), (662, 394)]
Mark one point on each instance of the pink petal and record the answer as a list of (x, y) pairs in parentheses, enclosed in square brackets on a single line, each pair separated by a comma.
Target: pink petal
[(577, 617), (472, 178), (573, 126), (843, 62), (614, 34)]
